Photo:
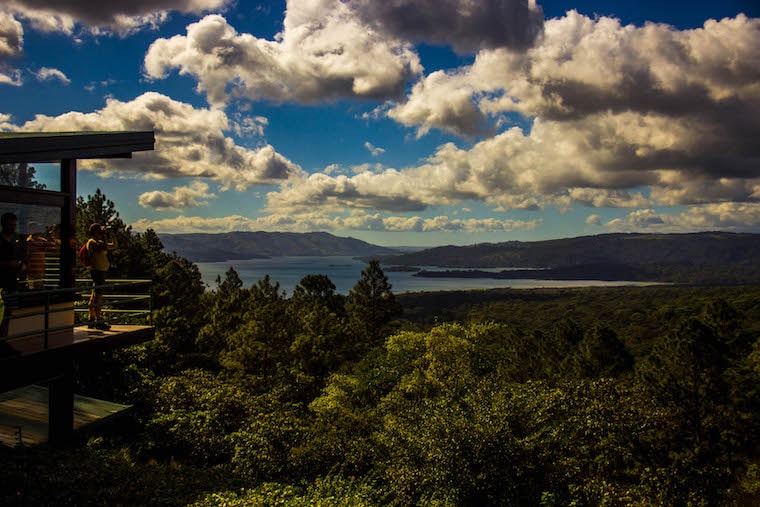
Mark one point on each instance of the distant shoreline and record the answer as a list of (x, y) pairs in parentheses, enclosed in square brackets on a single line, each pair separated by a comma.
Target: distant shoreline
[(604, 272)]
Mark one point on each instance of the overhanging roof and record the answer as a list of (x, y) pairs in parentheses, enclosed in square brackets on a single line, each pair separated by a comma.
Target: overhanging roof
[(53, 146)]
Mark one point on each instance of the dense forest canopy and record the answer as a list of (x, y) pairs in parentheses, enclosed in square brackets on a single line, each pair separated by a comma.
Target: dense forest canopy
[(250, 396)]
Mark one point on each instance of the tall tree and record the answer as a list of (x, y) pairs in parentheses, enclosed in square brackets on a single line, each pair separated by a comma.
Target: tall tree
[(260, 344), (178, 291), (685, 375), (225, 312), (320, 342), (317, 289), (371, 304), (600, 354), (20, 174), (146, 255), (231, 285)]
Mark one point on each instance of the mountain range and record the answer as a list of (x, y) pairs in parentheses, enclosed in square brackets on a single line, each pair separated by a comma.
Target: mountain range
[(220, 247), (696, 249), (704, 258)]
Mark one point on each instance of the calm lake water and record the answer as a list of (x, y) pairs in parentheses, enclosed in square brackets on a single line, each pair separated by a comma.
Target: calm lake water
[(345, 271)]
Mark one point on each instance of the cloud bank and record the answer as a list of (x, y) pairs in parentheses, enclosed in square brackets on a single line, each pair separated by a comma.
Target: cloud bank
[(323, 53), (725, 216), (466, 25), (574, 111), (359, 221), (332, 49), (613, 110)]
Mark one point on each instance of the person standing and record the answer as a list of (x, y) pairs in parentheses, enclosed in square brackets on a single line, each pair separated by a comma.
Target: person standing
[(100, 243), (37, 246)]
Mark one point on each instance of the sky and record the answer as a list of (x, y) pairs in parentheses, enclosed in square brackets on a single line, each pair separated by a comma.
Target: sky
[(403, 122)]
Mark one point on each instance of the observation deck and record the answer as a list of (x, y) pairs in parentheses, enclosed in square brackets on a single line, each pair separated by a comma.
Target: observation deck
[(43, 336)]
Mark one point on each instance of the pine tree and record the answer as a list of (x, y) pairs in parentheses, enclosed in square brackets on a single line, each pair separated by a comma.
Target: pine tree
[(225, 312), (20, 174), (230, 286), (600, 354), (317, 290), (371, 304), (259, 345)]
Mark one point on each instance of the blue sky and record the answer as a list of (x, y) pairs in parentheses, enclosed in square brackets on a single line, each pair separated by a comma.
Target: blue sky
[(406, 122)]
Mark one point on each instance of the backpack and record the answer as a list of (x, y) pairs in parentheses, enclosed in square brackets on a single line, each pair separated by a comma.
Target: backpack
[(84, 256)]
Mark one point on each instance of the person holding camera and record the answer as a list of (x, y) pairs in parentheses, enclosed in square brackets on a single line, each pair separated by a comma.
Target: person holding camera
[(100, 243)]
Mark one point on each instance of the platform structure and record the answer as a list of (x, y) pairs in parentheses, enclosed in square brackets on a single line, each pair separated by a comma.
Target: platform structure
[(43, 339), (24, 415), (37, 399)]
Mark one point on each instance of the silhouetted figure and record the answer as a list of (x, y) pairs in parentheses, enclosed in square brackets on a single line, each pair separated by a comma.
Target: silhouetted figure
[(100, 243), (37, 246)]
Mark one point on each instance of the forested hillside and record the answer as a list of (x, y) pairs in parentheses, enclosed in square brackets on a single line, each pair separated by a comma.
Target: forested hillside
[(709, 248), (249, 396), (219, 247), (699, 258)]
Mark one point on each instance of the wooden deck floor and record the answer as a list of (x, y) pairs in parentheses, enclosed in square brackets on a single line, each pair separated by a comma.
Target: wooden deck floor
[(28, 360), (77, 336), (24, 414)]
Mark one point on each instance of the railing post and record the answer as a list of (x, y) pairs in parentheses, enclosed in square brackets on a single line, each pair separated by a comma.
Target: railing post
[(47, 320), (150, 303), (68, 222)]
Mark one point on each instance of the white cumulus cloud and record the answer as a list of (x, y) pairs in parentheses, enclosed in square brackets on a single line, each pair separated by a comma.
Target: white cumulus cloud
[(323, 53), (190, 142), (11, 45), (724, 216), (48, 74), (10, 77), (594, 220), (374, 150), (11, 36), (190, 196), (467, 25), (97, 16), (607, 110)]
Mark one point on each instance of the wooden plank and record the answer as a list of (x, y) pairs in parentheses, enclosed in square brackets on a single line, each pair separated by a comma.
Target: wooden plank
[(33, 363), (83, 337), (25, 410)]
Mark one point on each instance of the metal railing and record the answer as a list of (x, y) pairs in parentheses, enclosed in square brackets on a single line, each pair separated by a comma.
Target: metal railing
[(43, 312)]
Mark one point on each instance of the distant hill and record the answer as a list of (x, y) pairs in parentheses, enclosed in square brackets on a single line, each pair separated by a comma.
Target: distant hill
[(220, 247), (711, 257)]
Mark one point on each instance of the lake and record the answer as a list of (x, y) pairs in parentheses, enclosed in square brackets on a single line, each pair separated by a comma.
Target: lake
[(345, 271)]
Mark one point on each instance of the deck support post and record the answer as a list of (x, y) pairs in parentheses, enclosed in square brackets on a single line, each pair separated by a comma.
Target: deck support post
[(68, 222), (61, 406)]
